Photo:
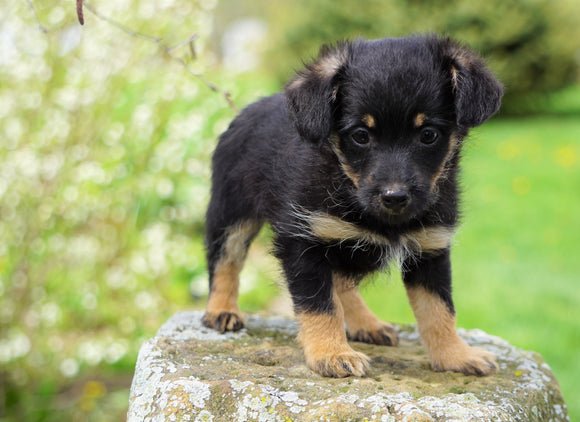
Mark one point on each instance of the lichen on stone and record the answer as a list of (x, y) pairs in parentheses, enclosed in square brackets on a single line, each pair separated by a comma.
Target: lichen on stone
[(190, 373)]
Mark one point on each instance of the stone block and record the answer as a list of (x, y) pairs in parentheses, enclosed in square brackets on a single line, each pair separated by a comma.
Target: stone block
[(190, 373)]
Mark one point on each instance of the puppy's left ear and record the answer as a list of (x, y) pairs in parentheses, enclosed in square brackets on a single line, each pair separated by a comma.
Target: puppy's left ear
[(312, 93), (477, 91)]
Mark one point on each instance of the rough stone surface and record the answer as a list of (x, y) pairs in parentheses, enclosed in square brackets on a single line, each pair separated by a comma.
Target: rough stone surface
[(190, 373)]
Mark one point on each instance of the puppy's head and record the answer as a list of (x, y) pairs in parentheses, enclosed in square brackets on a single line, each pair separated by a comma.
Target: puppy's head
[(394, 111)]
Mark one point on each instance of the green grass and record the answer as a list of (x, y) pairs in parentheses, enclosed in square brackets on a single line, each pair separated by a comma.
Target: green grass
[(515, 263)]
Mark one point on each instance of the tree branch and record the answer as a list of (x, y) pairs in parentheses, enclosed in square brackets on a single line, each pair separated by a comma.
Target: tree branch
[(168, 51), (80, 12)]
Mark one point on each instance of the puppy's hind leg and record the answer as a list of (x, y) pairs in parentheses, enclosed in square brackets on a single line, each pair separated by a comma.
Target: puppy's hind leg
[(362, 324), (227, 250)]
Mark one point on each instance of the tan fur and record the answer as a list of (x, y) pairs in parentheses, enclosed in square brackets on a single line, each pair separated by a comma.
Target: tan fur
[(463, 58), (330, 228), (223, 297), (430, 239), (362, 324), (328, 66), (454, 78), (447, 351), (334, 93), (420, 119), (224, 290), (453, 142), (325, 345), (236, 245), (297, 82), (350, 173), (369, 121)]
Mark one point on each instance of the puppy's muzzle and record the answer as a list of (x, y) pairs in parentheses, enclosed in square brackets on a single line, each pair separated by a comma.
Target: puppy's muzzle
[(395, 199)]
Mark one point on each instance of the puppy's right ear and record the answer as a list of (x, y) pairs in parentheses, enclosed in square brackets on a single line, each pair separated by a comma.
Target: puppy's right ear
[(311, 94)]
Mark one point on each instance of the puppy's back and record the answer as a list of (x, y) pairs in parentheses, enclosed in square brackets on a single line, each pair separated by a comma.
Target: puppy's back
[(254, 144), (257, 126)]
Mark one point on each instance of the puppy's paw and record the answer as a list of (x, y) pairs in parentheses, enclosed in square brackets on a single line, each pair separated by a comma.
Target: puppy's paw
[(467, 360), (223, 321), (383, 334), (340, 364)]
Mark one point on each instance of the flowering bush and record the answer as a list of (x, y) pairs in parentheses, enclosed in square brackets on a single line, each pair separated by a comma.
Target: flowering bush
[(104, 170)]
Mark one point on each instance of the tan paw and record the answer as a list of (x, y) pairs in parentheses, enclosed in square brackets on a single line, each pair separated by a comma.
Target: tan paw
[(223, 321), (465, 359), (341, 364), (383, 334)]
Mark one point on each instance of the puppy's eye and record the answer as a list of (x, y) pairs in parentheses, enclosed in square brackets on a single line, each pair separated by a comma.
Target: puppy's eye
[(429, 136), (360, 137)]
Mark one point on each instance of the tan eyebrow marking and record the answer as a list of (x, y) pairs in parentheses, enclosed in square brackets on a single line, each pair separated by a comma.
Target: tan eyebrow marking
[(420, 119), (369, 120)]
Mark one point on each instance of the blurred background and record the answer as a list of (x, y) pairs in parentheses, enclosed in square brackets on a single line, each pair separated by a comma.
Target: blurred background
[(106, 132)]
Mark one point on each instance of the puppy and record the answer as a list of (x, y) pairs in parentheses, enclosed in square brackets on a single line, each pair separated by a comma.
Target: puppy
[(354, 165)]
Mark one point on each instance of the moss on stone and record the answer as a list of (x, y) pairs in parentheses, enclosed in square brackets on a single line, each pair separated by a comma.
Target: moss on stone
[(259, 374)]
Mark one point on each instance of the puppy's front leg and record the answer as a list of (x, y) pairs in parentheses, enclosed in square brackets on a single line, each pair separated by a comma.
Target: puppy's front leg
[(428, 284), (319, 312), (323, 338)]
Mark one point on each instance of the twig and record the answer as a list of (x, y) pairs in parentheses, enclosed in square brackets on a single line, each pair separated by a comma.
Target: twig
[(189, 41), (227, 96), (168, 51), (80, 12), (120, 26)]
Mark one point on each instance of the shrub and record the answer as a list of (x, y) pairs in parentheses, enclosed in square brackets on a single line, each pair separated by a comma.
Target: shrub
[(533, 45)]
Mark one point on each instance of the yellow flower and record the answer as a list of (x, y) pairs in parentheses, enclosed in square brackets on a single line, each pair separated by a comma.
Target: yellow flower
[(566, 156), (521, 185)]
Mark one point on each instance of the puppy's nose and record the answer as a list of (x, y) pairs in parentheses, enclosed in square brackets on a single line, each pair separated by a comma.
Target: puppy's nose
[(395, 199)]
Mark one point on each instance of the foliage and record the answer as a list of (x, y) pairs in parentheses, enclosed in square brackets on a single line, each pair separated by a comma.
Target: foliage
[(534, 45), (104, 169)]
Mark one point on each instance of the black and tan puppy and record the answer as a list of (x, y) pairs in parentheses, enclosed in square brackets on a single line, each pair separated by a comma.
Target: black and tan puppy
[(354, 165)]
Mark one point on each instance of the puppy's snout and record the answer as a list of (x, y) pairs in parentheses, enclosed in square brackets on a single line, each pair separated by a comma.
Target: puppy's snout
[(395, 198)]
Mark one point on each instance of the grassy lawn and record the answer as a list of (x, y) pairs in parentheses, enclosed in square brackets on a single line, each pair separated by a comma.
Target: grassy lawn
[(515, 257)]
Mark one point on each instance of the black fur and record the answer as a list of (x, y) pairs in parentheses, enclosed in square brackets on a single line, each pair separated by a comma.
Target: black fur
[(295, 156)]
